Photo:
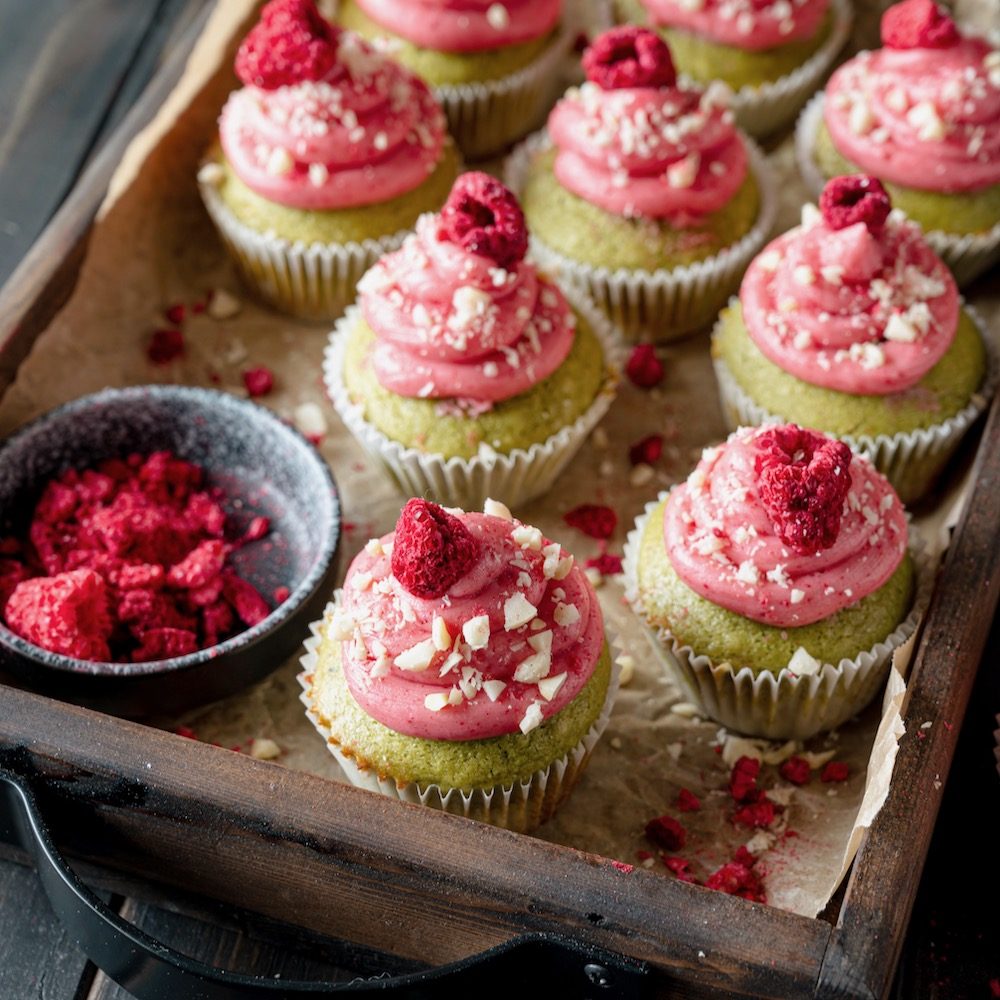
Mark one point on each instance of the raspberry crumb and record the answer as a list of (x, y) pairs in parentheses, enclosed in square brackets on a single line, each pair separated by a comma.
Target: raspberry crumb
[(257, 529), (743, 780), (606, 564), (918, 24), (836, 770), (594, 520), (281, 594), (757, 815), (187, 732), (482, 216), (174, 314), (796, 770), (648, 450), (681, 868), (846, 201), (738, 879), (258, 381), (623, 866), (643, 367), (432, 549), (629, 57), (164, 346), (666, 832), (687, 801)]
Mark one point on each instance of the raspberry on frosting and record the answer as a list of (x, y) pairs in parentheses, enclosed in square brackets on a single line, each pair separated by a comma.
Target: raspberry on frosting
[(432, 549), (292, 42), (802, 478), (482, 216), (848, 200), (918, 24), (629, 57)]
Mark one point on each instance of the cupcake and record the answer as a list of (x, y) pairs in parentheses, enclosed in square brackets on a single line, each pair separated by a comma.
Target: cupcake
[(492, 64), (463, 665), (777, 581), (922, 114), (643, 190), (463, 368), (852, 324), (325, 158), (773, 53)]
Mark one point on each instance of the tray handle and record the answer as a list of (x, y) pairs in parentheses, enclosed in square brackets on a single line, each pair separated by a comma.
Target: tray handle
[(539, 964)]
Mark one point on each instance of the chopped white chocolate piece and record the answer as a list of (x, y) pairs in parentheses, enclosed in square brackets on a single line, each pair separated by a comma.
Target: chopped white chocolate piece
[(534, 668), (496, 509), (532, 718), (493, 689), (549, 687), (803, 663), (541, 641), (309, 420), (517, 611), (626, 665), (477, 631), (436, 701), (417, 657), (223, 305), (440, 634), (566, 614), (264, 749), (527, 537)]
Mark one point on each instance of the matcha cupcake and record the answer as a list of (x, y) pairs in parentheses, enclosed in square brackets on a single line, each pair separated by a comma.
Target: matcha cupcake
[(852, 324), (493, 64), (772, 53), (777, 581), (922, 114), (325, 160), (463, 666), (463, 368), (643, 191)]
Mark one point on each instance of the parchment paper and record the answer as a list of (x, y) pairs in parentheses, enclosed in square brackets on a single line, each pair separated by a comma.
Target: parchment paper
[(154, 247)]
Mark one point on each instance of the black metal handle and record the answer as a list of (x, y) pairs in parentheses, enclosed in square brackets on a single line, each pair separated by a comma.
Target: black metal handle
[(536, 964)]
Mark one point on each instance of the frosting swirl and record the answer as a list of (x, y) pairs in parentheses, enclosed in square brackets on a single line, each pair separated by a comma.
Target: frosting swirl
[(367, 132), (509, 644), (465, 25), (857, 311), (723, 544), (926, 118), (745, 24), (451, 323), (660, 153)]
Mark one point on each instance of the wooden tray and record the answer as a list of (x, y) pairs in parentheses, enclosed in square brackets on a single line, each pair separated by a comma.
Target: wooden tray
[(422, 885)]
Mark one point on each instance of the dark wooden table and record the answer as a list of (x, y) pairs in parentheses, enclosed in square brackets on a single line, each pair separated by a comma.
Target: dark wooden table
[(69, 70)]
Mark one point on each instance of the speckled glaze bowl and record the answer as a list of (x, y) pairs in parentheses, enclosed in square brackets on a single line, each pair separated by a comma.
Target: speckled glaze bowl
[(263, 467)]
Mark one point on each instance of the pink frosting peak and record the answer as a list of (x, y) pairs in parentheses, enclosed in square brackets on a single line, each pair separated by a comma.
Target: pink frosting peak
[(465, 25), (851, 310), (659, 153), (509, 644), (926, 118), (367, 132), (451, 324), (723, 543), (743, 24)]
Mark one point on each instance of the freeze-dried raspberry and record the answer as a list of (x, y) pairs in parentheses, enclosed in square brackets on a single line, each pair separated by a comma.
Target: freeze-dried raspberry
[(918, 24), (164, 643), (846, 201), (737, 879), (200, 566), (202, 597), (431, 550), (57, 503), (666, 832), (259, 381), (759, 814), (164, 346), (203, 514), (836, 770), (137, 576), (643, 367), (648, 450), (12, 573), (217, 622), (256, 529), (249, 606), (680, 867), (606, 564), (687, 801), (796, 770), (66, 614), (292, 42), (743, 780), (593, 520), (174, 314), (281, 594), (629, 57), (483, 217), (143, 609), (802, 479)]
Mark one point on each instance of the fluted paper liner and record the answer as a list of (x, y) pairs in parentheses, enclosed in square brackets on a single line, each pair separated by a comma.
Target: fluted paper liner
[(967, 256), (669, 302), (910, 460), (520, 806), (779, 706), (516, 476)]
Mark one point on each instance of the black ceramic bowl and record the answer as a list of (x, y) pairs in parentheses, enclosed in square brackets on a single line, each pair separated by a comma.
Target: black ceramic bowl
[(263, 467)]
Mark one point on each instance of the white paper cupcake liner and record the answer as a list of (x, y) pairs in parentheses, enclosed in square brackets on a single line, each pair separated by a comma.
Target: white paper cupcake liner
[(667, 303), (312, 281), (516, 476), (520, 807), (485, 118), (910, 460), (779, 706), (765, 109), (967, 256)]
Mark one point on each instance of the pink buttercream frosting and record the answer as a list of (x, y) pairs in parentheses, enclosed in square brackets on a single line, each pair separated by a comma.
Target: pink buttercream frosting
[(369, 132), (863, 313), (921, 118), (510, 644), (453, 324), (465, 25), (660, 153), (723, 545), (743, 24)]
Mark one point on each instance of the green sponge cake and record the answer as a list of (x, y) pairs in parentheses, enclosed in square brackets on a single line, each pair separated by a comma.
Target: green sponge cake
[(466, 653)]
